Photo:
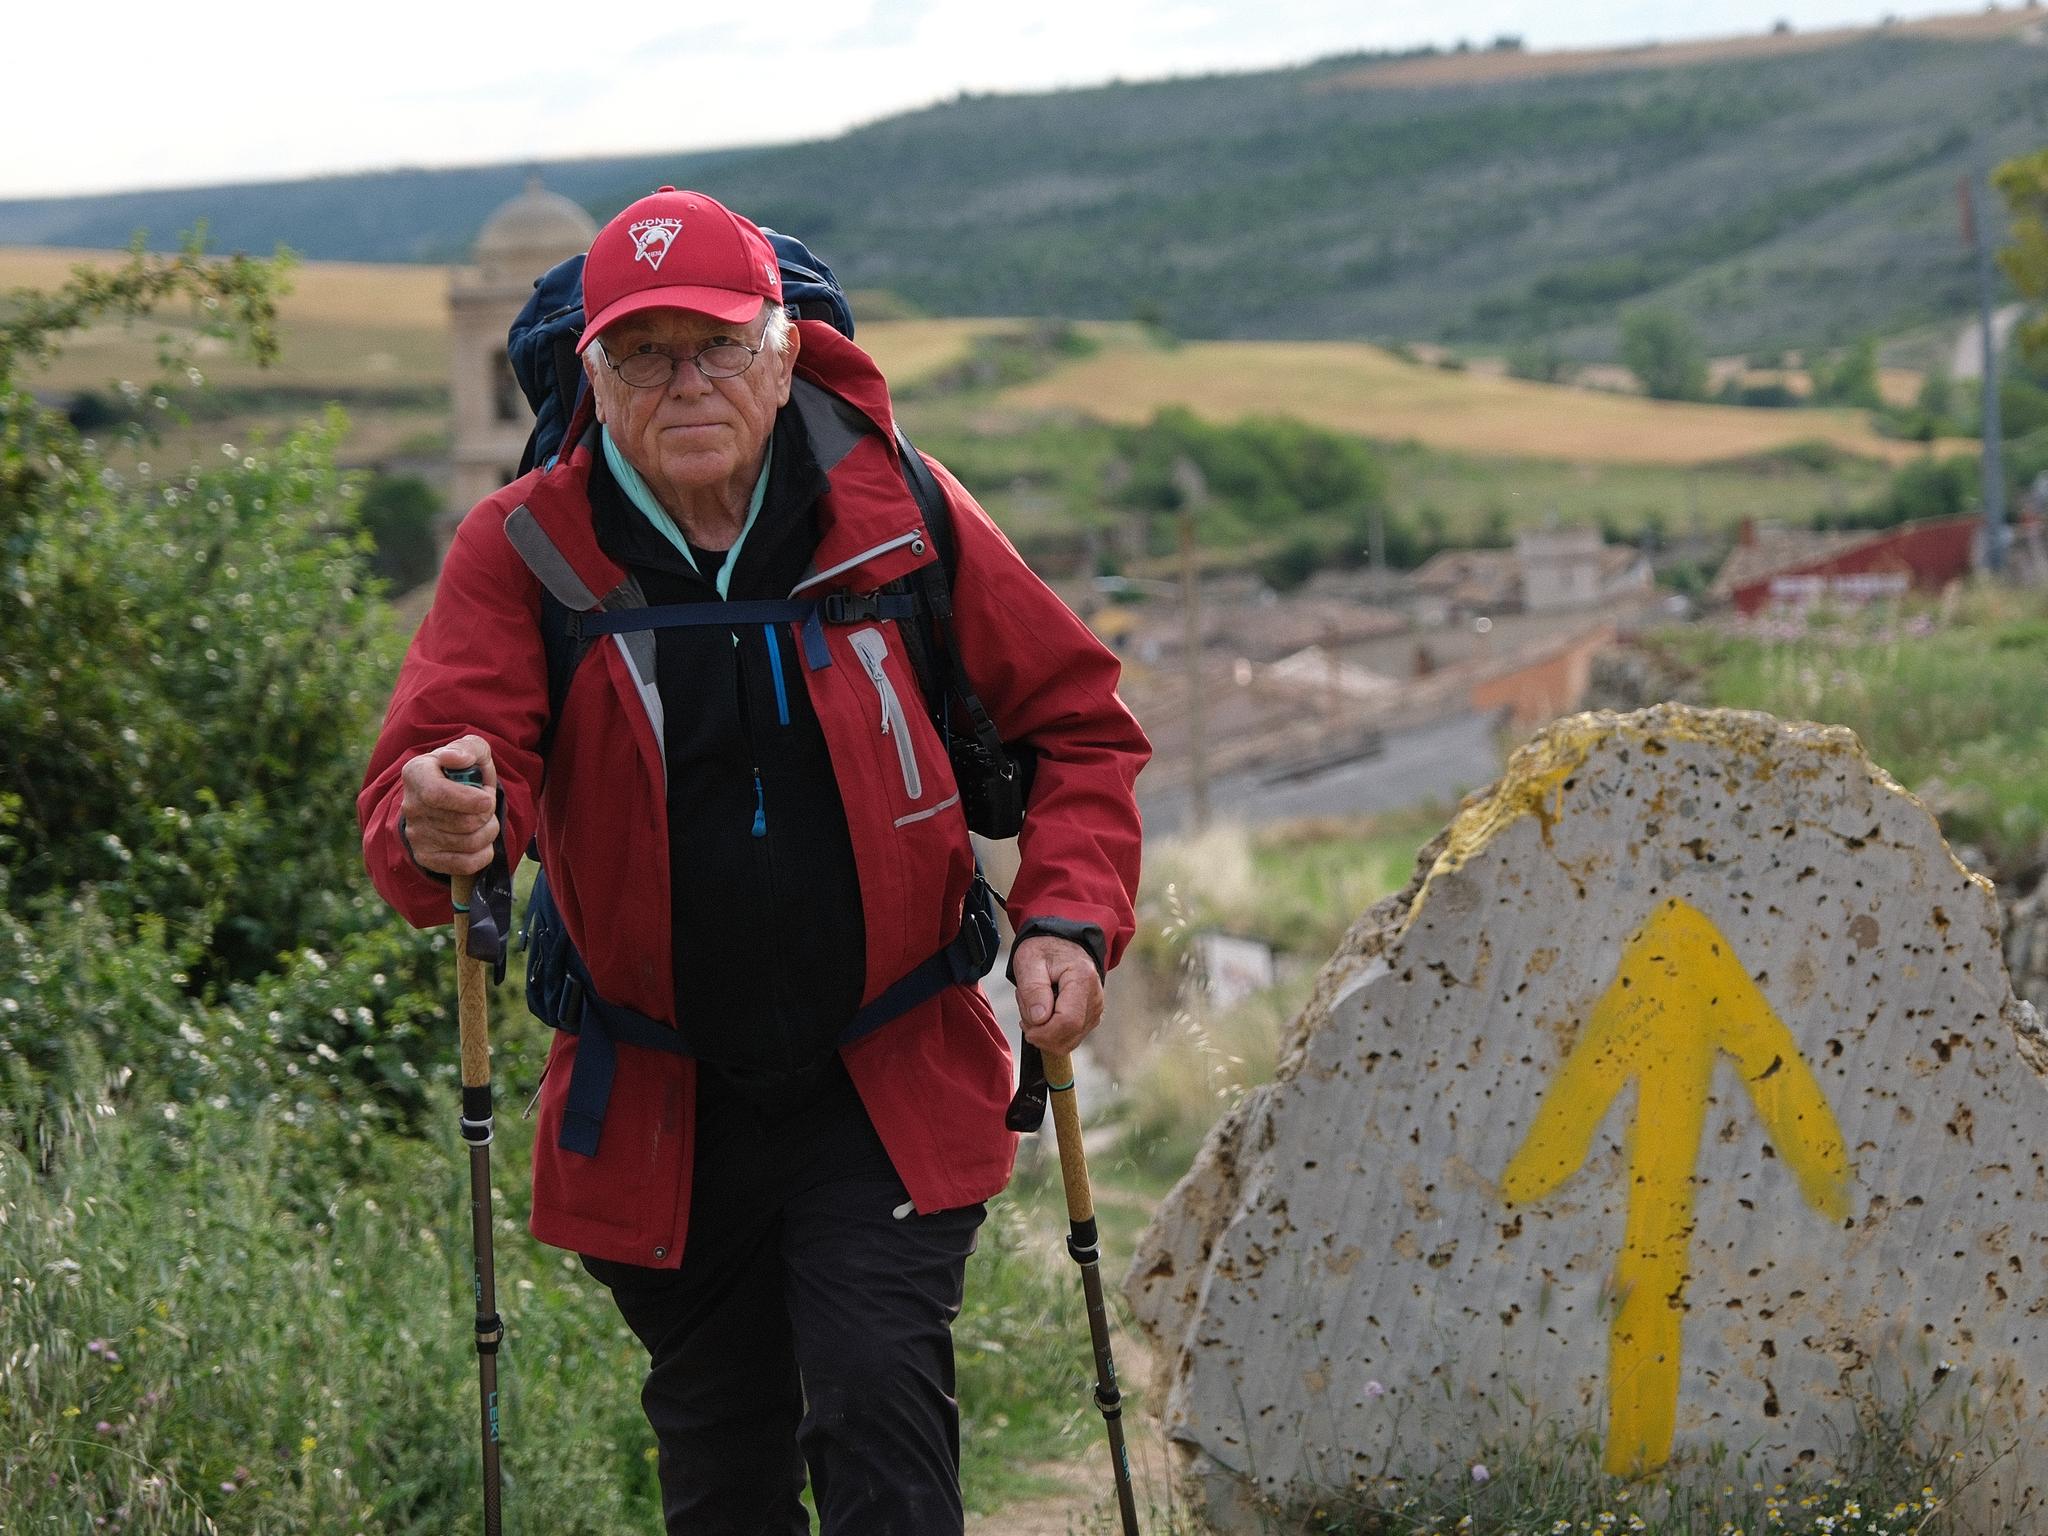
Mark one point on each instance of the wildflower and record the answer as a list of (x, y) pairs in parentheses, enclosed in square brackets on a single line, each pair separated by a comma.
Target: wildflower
[(103, 1428), (308, 1444), (1479, 1472), (1374, 1389)]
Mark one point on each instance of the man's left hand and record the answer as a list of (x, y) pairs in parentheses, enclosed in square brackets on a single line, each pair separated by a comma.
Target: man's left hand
[(1059, 996)]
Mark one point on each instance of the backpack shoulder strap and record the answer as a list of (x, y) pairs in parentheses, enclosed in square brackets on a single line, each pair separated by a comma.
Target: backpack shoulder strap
[(937, 657), (565, 598)]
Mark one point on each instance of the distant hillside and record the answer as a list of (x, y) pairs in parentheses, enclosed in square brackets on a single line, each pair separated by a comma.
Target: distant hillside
[(1781, 191)]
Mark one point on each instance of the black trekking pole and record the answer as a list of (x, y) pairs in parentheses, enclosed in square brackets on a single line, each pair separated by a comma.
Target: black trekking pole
[(1081, 1244), (473, 1005)]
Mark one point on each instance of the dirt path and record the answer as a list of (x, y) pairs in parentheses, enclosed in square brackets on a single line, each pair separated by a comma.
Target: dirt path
[(1086, 1502)]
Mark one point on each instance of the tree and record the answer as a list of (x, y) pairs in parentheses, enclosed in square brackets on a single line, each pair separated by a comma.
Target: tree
[(1664, 354), (2024, 185), (191, 663), (398, 512), (1937, 399), (1852, 381), (1542, 361)]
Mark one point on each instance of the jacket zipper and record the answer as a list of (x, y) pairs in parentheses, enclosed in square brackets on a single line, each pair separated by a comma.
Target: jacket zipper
[(873, 650), (914, 538)]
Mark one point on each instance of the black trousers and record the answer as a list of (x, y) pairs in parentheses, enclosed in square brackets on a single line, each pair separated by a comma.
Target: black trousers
[(809, 1327)]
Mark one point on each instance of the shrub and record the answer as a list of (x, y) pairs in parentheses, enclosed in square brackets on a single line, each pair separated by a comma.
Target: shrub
[(2022, 408)]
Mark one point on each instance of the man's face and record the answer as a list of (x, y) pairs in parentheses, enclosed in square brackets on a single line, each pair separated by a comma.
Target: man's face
[(694, 434)]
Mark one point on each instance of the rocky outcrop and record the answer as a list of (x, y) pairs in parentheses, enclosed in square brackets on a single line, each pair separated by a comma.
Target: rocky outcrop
[(1682, 1096)]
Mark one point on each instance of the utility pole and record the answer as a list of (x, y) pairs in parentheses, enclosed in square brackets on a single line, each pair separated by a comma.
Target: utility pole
[(1376, 548), (1995, 532), (1194, 490)]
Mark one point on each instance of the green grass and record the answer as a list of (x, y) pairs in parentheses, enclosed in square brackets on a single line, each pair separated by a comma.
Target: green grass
[(206, 1321), (1891, 1485), (1296, 885)]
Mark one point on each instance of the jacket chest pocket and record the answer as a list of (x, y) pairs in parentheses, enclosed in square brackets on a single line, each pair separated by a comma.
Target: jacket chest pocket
[(871, 646)]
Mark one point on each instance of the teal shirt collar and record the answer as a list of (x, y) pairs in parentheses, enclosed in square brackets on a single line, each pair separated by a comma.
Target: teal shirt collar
[(640, 496)]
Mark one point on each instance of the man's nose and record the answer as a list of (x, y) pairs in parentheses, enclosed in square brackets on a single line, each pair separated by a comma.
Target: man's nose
[(688, 381)]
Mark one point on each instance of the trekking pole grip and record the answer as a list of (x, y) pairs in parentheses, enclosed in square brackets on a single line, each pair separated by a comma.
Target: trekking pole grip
[(472, 993), (1066, 1119), (472, 996)]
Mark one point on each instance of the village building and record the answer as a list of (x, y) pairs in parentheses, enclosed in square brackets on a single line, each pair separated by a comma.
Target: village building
[(491, 421), (1553, 570), (1776, 568)]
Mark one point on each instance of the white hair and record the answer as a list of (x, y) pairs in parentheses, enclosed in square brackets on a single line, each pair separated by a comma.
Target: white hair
[(776, 336)]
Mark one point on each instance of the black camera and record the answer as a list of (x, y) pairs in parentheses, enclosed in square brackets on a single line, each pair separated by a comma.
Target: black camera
[(994, 781)]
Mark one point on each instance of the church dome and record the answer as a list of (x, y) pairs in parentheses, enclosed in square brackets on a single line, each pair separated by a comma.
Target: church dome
[(535, 224)]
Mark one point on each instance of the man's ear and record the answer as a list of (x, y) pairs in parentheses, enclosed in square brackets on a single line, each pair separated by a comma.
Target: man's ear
[(590, 372)]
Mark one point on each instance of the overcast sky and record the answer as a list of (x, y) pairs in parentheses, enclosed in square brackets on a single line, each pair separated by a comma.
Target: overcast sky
[(138, 93)]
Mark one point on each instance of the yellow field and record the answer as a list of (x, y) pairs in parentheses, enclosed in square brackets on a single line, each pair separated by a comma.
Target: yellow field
[(344, 326), (357, 326), (910, 350), (1352, 387), (362, 329)]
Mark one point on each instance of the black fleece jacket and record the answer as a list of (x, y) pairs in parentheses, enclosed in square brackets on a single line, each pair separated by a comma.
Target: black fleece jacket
[(769, 943)]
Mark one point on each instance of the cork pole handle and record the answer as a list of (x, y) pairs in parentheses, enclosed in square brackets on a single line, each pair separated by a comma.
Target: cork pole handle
[(472, 992), (1066, 1120)]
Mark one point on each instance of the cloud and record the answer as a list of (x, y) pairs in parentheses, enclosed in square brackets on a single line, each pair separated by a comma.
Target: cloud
[(239, 90)]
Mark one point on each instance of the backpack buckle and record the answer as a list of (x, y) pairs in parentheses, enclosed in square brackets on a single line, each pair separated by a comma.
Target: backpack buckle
[(979, 940), (852, 607)]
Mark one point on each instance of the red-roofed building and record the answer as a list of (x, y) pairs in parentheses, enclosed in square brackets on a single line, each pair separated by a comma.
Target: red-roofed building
[(1848, 568)]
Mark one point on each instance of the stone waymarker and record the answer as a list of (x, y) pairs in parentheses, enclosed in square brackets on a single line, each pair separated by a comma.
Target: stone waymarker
[(1681, 1097)]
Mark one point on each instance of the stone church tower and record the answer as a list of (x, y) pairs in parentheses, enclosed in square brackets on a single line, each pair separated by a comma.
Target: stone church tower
[(517, 243)]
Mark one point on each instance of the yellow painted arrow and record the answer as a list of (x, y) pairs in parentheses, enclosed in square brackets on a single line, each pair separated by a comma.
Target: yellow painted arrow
[(1679, 998)]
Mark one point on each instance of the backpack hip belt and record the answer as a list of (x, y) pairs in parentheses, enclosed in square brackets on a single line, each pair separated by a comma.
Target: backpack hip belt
[(560, 993)]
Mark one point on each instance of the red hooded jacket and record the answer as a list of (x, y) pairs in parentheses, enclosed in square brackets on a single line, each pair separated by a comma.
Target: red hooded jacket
[(936, 1080)]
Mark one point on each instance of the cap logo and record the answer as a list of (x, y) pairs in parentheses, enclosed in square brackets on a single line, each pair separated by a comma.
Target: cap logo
[(652, 239)]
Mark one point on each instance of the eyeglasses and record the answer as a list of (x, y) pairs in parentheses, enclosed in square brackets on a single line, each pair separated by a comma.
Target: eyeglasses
[(651, 368)]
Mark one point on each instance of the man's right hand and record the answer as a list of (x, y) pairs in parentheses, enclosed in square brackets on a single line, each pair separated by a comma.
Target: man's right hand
[(451, 828)]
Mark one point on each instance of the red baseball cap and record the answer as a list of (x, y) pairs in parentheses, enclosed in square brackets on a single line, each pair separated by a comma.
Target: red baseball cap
[(677, 250)]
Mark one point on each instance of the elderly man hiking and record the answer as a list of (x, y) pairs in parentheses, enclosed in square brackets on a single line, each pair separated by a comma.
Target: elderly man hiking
[(776, 1100)]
